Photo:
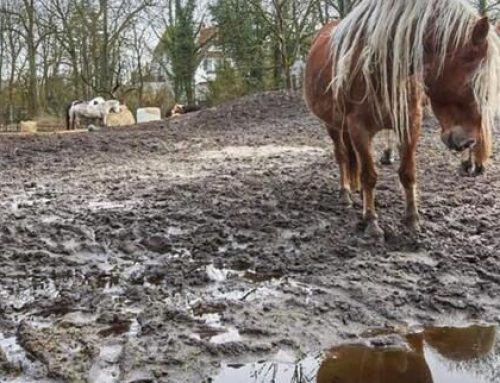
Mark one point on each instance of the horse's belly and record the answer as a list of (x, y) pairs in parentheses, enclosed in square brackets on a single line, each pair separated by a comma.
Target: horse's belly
[(318, 77)]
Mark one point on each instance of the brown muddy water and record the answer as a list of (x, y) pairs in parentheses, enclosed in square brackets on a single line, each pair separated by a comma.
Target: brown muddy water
[(434, 355), (177, 251)]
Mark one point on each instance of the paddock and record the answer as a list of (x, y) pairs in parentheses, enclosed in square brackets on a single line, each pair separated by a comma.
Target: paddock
[(220, 239)]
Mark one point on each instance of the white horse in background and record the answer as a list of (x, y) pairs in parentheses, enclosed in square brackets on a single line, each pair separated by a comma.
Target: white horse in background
[(97, 108)]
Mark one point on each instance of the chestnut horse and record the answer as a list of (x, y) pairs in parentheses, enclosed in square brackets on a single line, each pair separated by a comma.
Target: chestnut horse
[(370, 72)]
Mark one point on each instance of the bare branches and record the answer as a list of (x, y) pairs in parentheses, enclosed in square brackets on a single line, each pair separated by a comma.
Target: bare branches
[(54, 50)]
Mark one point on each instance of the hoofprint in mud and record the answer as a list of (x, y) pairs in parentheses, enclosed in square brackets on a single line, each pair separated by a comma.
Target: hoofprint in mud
[(162, 252)]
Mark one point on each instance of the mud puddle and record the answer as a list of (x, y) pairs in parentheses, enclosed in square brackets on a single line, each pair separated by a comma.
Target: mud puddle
[(283, 367), (433, 355)]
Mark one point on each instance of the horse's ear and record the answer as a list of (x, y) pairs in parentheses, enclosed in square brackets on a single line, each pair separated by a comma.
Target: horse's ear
[(481, 30)]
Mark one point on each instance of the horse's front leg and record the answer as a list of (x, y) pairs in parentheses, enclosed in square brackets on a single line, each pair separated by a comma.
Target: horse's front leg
[(467, 163), (474, 160), (361, 138)]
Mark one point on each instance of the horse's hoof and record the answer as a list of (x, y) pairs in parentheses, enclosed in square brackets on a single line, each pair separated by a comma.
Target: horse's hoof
[(345, 198), (479, 171), (387, 158), (373, 230), (469, 169), (412, 223), (466, 168)]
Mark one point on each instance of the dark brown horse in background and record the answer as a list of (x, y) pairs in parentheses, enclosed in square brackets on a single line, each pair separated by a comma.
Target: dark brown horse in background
[(360, 84)]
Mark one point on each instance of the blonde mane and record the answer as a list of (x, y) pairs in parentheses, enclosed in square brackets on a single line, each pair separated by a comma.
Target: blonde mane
[(383, 41)]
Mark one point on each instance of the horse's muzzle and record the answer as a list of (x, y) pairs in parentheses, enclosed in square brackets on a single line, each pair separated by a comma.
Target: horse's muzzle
[(457, 141)]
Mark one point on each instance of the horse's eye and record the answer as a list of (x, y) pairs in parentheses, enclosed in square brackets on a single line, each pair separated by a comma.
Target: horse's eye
[(474, 55)]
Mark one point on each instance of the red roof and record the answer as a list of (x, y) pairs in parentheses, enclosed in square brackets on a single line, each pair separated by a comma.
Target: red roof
[(207, 34)]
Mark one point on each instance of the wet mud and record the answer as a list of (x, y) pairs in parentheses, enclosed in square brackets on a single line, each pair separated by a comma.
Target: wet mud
[(180, 250)]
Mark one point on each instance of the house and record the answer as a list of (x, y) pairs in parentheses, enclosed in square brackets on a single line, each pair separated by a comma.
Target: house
[(211, 57), (156, 78)]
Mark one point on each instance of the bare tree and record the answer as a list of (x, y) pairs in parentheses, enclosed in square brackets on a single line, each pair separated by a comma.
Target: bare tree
[(289, 23), (490, 8)]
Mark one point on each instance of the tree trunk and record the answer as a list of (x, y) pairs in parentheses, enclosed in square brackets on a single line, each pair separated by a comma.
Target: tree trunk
[(483, 7), (104, 69), (2, 50), (31, 53)]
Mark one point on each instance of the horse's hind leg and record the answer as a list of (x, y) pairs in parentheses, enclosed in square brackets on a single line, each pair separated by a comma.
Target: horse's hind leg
[(353, 163), (342, 157), (361, 139), (408, 170), (407, 176), (387, 157)]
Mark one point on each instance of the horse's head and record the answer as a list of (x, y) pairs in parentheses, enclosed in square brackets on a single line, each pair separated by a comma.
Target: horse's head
[(450, 85), (115, 107), (177, 109)]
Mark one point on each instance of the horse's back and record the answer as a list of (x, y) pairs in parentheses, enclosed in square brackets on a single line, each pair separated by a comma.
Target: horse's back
[(318, 74), (97, 101)]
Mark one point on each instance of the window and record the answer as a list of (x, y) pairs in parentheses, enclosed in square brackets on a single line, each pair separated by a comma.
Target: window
[(209, 65)]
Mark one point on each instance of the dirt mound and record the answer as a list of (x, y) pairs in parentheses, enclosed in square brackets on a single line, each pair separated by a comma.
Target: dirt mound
[(255, 108)]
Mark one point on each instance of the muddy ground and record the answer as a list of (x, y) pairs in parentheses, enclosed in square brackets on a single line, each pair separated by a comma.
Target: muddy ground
[(159, 253)]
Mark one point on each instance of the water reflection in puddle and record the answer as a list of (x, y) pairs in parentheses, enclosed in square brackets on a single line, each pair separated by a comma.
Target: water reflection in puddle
[(435, 355), (218, 335), (282, 368)]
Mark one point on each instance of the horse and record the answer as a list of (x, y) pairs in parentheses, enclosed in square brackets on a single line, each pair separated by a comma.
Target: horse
[(179, 109), (364, 76), (95, 109)]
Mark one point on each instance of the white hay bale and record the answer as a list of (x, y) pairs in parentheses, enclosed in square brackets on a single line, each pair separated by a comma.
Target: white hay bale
[(148, 114), (28, 126)]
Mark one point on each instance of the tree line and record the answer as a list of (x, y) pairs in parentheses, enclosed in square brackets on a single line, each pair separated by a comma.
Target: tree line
[(54, 51)]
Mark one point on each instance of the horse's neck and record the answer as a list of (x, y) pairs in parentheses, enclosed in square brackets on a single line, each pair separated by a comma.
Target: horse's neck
[(109, 106)]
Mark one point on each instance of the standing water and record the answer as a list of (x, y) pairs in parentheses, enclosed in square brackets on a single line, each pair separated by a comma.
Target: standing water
[(435, 355)]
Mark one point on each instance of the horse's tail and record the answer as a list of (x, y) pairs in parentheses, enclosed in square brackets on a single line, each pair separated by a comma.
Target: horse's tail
[(488, 142), (67, 116)]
